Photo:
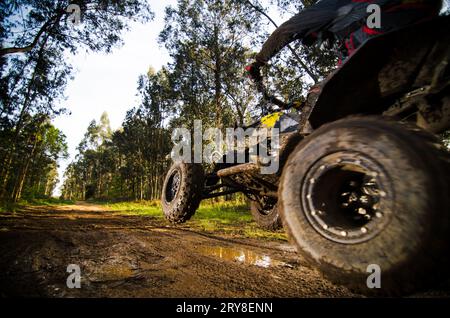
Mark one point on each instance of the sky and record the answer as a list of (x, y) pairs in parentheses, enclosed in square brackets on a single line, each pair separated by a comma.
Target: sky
[(108, 82)]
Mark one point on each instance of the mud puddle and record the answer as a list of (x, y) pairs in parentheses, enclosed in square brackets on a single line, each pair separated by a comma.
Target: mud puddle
[(241, 255)]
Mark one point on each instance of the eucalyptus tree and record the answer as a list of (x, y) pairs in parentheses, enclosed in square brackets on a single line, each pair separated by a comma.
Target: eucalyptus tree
[(36, 39), (209, 42)]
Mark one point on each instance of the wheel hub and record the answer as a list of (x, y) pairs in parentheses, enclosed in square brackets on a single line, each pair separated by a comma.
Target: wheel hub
[(173, 186), (344, 197)]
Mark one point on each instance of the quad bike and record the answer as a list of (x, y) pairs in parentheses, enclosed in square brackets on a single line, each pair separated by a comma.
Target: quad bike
[(363, 178)]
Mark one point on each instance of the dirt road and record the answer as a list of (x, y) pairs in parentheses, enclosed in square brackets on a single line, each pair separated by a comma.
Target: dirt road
[(132, 256)]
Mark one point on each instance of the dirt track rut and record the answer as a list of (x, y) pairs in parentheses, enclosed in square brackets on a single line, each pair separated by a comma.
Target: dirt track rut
[(132, 256)]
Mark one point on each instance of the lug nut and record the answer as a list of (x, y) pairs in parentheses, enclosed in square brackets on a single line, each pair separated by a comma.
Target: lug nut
[(362, 211), (363, 199), (364, 230), (353, 197)]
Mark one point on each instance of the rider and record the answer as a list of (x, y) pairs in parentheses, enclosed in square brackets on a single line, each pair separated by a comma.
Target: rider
[(343, 21)]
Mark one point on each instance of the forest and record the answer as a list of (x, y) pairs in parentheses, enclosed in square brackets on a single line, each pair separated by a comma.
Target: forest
[(209, 42), (93, 202)]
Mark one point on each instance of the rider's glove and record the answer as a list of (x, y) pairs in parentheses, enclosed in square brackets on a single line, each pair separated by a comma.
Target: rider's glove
[(253, 71)]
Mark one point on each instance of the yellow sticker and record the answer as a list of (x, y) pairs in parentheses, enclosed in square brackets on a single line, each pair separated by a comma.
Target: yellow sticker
[(270, 120)]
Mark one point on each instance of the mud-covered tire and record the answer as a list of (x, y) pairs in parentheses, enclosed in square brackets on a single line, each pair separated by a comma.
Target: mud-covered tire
[(267, 219), (411, 244), (180, 205)]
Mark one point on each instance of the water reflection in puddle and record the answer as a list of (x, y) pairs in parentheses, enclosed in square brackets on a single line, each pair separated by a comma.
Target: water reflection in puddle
[(241, 255)]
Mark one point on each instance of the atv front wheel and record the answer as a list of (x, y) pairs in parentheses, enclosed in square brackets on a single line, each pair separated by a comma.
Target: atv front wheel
[(367, 191), (266, 214), (182, 191)]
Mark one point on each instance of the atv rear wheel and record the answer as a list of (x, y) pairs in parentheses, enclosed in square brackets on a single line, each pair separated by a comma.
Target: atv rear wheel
[(266, 214), (368, 190), (182, 191)]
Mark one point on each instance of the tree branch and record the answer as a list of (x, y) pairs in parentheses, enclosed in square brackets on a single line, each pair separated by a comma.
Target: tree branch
[(28, 48), (297, 57)]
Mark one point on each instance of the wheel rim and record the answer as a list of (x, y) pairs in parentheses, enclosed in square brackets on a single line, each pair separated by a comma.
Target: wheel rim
[(173, 185), (266, 205), (346, 197)]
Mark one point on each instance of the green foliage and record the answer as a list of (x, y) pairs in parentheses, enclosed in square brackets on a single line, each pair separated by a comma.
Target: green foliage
[(34, 73), (128, 163), (146, 208), (30, 165), (46, 201), (229, 218), (209, 42), (9, 206)]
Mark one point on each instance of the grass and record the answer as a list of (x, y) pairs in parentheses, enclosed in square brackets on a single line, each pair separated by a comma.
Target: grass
[(8, 207), (47, 201), (145, 208), (14, 206), (231, 218)]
